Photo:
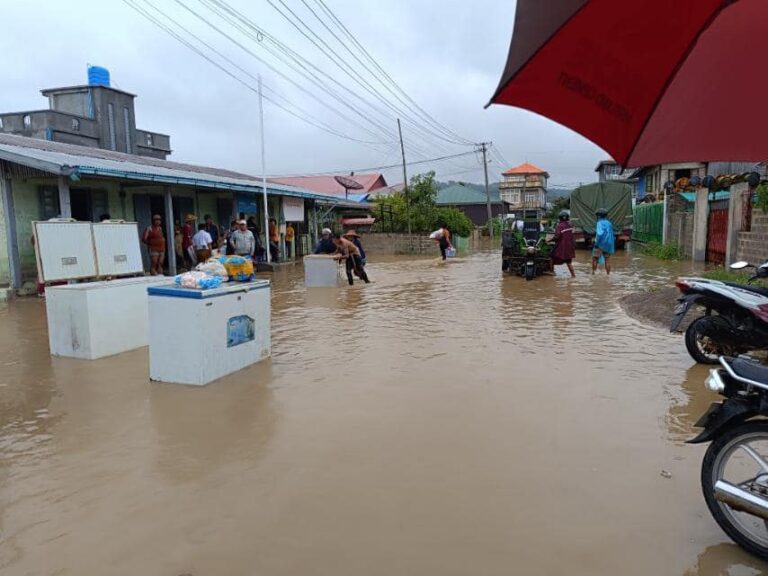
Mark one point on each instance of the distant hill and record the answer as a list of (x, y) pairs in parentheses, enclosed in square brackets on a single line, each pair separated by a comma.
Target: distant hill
[(552, 193)]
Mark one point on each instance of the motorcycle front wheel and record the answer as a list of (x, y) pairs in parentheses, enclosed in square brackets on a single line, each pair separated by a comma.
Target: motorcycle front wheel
[(739, 457), (700, 341)]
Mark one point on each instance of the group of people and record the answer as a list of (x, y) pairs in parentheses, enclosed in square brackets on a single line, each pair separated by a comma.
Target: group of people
[(241, 239), (604, 246), (347, 246)]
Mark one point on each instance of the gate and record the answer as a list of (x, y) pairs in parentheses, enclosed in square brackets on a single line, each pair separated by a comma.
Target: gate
[(647, 222), (717, 232)]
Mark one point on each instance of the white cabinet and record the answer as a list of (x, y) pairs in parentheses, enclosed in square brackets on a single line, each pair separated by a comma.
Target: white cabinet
[(97, 319), (321, 271), (197, 336)]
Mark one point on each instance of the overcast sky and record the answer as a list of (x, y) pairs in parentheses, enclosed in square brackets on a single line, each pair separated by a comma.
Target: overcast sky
[(447, 56)]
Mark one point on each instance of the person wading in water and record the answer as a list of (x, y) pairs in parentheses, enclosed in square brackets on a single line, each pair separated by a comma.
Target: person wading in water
[(565, 243)]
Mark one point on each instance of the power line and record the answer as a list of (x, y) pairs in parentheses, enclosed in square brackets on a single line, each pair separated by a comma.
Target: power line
[(398, 165), (272, 100), (345, 67), (228, 13), (383, 72)]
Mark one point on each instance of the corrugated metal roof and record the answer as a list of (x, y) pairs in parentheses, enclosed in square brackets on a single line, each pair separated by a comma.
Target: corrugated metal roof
[(72, 160), (329, 185), (459, 194)]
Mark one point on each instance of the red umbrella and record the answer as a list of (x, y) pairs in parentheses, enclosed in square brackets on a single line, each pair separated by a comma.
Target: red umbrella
[(650, 81)]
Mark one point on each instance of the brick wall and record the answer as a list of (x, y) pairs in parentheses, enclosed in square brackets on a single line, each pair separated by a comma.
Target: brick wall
[(753, 246), (398, 243)]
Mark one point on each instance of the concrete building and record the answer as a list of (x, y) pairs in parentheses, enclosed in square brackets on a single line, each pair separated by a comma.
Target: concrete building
[(652, 179), (524, 187), (42, 179), (94, 115), (612, 171)]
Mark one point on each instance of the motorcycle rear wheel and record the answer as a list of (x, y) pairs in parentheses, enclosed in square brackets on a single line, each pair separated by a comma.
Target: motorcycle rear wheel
[(747, 530), (700, 342)]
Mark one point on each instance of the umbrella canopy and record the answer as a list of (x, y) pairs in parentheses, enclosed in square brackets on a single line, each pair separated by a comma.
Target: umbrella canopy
[(649, 81)]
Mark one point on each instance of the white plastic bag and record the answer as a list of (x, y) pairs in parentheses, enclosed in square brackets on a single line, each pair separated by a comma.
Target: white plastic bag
[(213, 268), (436, 235)]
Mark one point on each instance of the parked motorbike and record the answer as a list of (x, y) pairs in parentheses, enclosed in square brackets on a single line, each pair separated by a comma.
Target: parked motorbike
[(734, 473), (735, 319)]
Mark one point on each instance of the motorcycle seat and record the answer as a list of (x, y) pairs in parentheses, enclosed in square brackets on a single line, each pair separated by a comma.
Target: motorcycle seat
[(755, 289), (750, 369)]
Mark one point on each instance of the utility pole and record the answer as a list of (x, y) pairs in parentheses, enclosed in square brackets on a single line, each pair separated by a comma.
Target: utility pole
[(264, 176), (405, 181), (484, 148)]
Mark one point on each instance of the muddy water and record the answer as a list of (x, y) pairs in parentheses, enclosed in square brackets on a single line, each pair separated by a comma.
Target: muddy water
[(441, 420)]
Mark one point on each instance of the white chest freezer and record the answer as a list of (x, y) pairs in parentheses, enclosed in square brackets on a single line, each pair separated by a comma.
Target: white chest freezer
[(96, 319), (321, 271), (197, 336)]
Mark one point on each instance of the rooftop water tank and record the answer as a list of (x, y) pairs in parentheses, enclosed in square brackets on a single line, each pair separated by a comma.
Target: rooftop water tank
[(98, 76)]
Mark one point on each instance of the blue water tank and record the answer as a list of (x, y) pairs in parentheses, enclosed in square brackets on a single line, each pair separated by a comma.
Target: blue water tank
[(98, 76)]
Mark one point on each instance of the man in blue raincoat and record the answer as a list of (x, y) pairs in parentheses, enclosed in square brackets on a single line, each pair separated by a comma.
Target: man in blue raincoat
[(605, 243)]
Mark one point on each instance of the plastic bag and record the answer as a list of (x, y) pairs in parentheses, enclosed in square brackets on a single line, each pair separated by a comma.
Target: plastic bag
[(436, 235), (196, 279), (214, 268), (238, 268)]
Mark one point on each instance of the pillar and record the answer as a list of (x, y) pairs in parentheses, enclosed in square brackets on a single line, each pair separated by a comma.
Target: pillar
[(12, 242), (170, 232), (735, 218), (65, 206), (700, 215)]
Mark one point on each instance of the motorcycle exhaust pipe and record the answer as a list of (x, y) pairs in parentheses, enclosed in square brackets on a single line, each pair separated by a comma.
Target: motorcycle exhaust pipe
[(740, 499)]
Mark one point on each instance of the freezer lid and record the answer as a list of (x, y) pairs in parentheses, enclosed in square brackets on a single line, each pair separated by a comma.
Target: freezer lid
[(174, 291)]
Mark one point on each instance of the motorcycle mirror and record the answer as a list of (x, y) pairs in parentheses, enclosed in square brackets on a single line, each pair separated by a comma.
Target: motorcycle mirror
[(740, 265)]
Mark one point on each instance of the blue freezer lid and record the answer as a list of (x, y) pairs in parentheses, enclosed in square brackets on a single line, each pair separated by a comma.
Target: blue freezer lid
[(225, 289)]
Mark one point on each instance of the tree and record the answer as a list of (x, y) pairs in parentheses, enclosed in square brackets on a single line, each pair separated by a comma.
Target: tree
[(425, 214)]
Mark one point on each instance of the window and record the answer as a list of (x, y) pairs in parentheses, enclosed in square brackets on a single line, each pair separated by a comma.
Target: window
[(148, 138), (530, 199), (111, 119), (27, 120), (75, 124), (127, 126)]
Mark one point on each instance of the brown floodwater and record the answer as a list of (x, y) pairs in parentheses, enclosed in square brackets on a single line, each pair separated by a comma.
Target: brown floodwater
[(443, 420)]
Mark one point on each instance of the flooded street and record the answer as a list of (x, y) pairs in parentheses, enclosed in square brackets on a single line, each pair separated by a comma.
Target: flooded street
[(443, 420)]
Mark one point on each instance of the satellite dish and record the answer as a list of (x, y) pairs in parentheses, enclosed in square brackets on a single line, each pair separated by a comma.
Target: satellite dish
[(348, 184)]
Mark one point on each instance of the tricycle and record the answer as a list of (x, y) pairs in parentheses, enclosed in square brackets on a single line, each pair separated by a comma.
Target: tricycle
[(524, 249)]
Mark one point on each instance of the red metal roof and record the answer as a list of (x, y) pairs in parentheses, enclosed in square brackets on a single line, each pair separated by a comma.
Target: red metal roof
[(329, 185), (525, 168)]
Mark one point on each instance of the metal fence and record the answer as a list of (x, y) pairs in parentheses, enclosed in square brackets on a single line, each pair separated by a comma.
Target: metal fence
[(648, 222)]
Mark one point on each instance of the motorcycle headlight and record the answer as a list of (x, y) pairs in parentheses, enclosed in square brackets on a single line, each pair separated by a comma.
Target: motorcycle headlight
[(714, 382), (531, 249)]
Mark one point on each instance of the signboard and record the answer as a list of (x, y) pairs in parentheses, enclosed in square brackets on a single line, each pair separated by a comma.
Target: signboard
[(248, 203), (293, 209)]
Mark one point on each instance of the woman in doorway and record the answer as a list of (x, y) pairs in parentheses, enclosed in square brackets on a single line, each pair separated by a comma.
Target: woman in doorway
[(154, 238)]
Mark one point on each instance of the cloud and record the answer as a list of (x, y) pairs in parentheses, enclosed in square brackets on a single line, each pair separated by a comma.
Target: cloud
[(447, 56)]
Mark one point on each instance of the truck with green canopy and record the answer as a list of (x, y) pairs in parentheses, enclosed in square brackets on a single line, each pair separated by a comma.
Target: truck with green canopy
[(615, 197)]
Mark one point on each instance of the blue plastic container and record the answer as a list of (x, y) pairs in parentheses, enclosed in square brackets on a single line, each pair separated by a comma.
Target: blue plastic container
[(98, 76)]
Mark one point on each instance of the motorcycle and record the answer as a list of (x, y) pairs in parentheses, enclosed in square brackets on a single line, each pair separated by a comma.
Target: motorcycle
[(734, 472), (525, 251), (735, 319)]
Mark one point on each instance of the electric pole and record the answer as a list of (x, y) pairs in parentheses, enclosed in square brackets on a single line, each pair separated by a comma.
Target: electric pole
[(484, 148), (405, 181)]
